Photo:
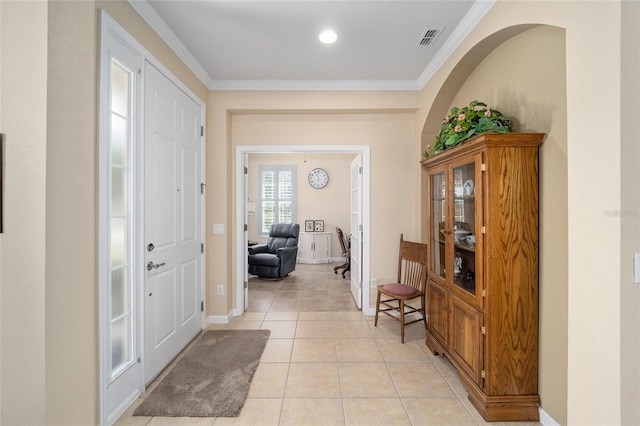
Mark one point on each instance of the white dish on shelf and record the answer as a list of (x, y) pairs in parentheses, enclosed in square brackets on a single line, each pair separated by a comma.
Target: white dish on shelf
[(468, 187), (460, 234)]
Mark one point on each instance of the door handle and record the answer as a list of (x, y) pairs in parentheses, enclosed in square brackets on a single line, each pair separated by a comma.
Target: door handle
[(151, 265)]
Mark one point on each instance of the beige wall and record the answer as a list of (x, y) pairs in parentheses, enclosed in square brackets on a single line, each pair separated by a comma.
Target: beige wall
[(71, 317), (382, 120), (23, 108), (592, 72), (331, 203), (525, 79)]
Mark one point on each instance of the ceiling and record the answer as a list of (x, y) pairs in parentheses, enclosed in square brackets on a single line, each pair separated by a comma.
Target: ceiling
[(268, 44)]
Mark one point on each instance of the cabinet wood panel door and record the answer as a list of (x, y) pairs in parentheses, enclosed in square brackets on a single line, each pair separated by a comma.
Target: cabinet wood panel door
[(465, 344), (438, 312)]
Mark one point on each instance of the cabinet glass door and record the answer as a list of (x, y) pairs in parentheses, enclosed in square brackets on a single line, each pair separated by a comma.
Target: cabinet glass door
[(438, 221), (464, 220)]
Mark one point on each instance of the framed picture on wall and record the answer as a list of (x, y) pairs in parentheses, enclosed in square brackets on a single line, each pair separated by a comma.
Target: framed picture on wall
[(318, 226), (308, 226)]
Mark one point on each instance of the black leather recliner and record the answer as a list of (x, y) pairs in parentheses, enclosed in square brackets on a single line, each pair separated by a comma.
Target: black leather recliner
[(276, 258)]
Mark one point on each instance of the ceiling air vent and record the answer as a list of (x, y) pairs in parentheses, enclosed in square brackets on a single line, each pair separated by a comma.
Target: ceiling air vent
[(429, 36)]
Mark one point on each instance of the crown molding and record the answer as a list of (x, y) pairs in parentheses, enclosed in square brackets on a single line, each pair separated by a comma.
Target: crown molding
[(468, 23), (314, 85), (154, 20)]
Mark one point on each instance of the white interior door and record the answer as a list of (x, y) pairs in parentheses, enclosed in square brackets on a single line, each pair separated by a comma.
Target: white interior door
[(356, 230), (173, 251)]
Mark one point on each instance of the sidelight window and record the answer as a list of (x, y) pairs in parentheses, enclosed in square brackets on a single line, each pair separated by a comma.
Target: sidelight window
[(120, 212)]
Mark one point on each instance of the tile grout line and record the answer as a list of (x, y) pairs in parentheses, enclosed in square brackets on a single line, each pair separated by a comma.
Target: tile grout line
[(286, 379), (335, 348), (395, 385)]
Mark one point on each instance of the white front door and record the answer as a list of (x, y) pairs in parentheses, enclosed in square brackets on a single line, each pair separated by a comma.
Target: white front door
[(172, 236), (356, 230)]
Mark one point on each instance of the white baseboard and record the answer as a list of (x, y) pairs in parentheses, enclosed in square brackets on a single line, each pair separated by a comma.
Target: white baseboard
[(321, 261), (218, 319), (547, 420)]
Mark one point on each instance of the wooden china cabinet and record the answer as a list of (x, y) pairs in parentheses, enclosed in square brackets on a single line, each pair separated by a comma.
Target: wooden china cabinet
[(482, 288)]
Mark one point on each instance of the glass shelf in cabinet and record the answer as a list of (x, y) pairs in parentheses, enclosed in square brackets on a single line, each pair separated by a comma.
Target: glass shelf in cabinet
[(466, 247)]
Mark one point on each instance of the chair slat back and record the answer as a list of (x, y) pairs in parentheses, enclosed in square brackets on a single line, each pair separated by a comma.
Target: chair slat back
[(412, 264), (341, 239)]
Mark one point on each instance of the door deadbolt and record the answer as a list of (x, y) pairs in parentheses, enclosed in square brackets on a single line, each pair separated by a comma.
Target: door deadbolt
[(150, 247)]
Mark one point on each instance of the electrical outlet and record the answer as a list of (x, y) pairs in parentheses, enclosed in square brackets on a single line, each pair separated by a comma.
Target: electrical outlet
[(374, 282), (220, 290)]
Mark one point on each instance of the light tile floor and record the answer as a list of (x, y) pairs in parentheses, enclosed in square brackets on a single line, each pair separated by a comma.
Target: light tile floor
[(326, 364)]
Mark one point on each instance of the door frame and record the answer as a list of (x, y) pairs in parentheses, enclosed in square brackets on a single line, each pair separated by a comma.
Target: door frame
[(241, 197), (356, 267), (110, 27)]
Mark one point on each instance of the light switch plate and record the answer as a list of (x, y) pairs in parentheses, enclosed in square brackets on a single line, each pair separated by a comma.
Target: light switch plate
[(218, 229)]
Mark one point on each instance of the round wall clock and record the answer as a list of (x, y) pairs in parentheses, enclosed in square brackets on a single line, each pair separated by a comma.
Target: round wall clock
[(318, 178)]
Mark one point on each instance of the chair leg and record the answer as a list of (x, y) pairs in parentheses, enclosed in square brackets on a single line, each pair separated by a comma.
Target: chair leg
[(375, 323), (337, 268), (347, 269), (401, 320)]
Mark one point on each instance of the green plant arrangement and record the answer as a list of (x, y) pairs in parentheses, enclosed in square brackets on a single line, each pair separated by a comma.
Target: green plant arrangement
[(464, 123)]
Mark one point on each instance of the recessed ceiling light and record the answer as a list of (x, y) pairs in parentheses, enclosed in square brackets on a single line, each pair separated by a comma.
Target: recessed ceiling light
[(328, 37)]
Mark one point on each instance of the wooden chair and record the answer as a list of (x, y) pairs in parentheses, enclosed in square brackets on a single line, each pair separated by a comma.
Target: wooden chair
[(346, 253), (411, 285)]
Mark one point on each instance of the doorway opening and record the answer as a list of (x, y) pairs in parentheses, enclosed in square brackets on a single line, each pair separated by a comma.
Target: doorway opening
[(242, 153)]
